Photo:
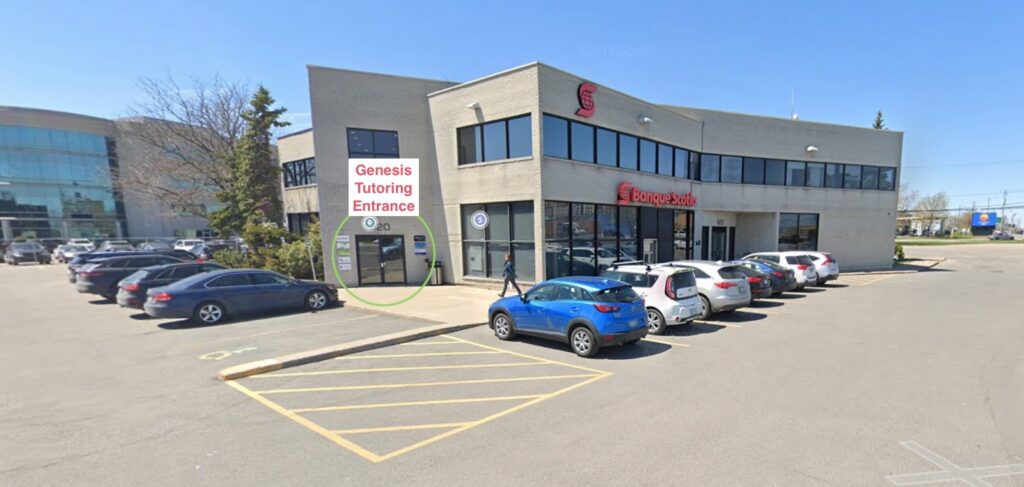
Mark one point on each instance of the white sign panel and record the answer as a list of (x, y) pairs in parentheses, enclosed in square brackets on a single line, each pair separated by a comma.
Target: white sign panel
[(344, 263), (384, 187)]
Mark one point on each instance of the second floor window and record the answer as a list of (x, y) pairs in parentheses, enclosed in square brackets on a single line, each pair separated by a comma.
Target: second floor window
[(495, 141), (299, 173), (369, 144)]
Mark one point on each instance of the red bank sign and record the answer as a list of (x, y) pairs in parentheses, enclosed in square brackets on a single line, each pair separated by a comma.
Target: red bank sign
[(585, 94), (631, 194)]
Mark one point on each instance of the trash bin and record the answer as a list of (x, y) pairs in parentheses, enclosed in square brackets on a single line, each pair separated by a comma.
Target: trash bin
[(438, 277)]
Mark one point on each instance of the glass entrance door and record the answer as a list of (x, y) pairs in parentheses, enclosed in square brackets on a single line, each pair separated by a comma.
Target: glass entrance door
[(718, 243), (381, 259)]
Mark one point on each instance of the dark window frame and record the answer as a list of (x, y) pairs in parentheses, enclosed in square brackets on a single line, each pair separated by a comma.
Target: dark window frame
[(487, 241), (299, 173), (372, 154), (478, 129)]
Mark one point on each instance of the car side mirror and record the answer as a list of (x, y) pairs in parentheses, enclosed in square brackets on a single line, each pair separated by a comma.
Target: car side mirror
[(524, 299)]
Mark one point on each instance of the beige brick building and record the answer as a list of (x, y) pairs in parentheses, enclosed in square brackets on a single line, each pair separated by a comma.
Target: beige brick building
[(569, 176)]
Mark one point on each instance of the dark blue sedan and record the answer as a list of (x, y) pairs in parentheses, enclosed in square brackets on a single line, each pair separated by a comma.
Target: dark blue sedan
[(586, 312), (210, 297)]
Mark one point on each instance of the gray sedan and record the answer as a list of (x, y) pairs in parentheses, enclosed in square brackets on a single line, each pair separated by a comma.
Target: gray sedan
[(210, 297)]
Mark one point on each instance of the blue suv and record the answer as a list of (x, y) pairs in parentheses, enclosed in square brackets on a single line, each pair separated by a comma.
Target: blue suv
[(586, 312)]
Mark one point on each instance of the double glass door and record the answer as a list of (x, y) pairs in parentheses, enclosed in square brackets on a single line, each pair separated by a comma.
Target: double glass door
[(381, 259)]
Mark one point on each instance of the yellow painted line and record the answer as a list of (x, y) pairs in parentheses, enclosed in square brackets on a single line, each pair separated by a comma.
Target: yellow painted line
[(399, 369), (728, 325), (425, 384), (416, 403), (531, 357), (492, 417), (666, 342), (410, 427), (338, 440), (406, 355)]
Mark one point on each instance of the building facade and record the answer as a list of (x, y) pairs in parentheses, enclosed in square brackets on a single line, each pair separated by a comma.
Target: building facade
[(568, 176), (57, 181), (299, 195)]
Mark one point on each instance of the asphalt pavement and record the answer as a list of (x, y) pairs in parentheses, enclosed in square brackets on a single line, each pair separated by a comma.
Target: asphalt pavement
[(898, 379)]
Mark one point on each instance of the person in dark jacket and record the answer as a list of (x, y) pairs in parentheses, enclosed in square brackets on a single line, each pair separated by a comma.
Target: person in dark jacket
[(510, 276)]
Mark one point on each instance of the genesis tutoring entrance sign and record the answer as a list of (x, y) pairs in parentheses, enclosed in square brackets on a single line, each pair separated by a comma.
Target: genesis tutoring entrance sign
[(384, 187)]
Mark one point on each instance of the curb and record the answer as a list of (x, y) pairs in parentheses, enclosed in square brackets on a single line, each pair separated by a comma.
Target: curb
[(934, 263), (269, 365), (378, 311)]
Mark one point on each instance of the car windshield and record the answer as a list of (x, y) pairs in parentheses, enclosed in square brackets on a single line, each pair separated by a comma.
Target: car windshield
[(803, 259), (635, 279), (683, 279), (74, 248), (623, 294), (30, 247), (731, 272)]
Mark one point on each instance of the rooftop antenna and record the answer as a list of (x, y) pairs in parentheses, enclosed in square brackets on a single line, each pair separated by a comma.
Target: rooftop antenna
[(792, 101)]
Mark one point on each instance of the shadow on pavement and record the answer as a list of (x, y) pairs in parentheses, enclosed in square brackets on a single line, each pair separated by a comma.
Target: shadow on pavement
[(810, 290), (831, 285), (692, 329), (624, 352), (101, 301), (739, 316), (140, 316), (788, 296), (187, 324), (760, 303)]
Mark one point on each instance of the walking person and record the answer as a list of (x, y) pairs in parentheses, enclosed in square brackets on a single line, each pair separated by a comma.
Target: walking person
[(510, 276)]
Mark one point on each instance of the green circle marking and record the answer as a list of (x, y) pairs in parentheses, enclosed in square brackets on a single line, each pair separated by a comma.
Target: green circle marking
[(337, 274)]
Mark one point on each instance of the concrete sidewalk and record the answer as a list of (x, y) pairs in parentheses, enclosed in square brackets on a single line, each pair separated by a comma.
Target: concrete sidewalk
[(449, 304)]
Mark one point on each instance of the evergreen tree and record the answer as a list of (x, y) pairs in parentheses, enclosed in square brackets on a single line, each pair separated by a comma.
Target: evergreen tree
[(253, 197), (879, 123)]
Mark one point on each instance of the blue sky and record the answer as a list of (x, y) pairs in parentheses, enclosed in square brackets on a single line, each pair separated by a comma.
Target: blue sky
[(948, 74)]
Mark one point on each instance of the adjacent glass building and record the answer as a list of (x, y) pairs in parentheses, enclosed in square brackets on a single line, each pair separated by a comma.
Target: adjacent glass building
[(56, 181)]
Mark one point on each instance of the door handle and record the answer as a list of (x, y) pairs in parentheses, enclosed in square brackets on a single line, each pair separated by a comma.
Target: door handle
[(574, 309)]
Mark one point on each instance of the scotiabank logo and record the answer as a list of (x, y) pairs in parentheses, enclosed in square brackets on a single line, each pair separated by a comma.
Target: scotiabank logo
[(631, 194), (585, 94)]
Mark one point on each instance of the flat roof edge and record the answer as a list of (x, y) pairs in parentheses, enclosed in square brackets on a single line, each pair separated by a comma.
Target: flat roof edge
[(57, 113), (485, 78), (775, 118), (311, 67)]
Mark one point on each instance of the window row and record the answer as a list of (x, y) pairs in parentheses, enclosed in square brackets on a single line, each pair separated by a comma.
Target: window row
[(369, 144), (586, 143), (57, 202), (509, 230), (299, 173), (798, 231), (567, 139), (14, 136), (54, 168), (495, 141), (775, 172)]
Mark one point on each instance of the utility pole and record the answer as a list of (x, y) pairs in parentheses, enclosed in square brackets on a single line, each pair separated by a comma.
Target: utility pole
[(1003, 225)]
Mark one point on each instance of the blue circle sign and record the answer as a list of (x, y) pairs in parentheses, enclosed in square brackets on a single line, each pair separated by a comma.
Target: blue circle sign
[(370, 223), (479, 219)]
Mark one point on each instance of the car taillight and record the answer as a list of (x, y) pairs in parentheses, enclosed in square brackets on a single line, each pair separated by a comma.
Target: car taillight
[(669, 291), (802, 267), (779, 274), (606, 308), (88, 274), (828, 260), (725, 284), (131, 287), (162, 297), (754, 280), (200, 260)]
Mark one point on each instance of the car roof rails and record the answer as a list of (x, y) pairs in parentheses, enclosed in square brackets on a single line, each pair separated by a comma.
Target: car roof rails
[(627, 262)]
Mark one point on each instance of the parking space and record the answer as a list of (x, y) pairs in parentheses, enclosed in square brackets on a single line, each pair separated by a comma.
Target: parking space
[(861, 382), (385, 403)]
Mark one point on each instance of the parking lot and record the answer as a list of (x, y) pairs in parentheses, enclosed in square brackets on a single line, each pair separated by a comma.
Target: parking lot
[(880, 379)]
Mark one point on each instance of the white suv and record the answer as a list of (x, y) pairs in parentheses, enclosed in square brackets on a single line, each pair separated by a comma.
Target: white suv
[(670, 294), (826, 265), (798, 260)]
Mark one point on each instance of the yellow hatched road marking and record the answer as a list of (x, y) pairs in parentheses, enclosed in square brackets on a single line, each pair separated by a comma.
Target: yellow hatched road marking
[(666, 342), (492, 417), (416, 403), (405, 355), (410, 427), (398, 369), (320, 430), (425, 384), (531, 357)]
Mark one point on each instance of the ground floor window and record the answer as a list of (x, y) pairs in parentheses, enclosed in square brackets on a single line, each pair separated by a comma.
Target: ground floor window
[(798, 231), (509, 230), (299, 222)]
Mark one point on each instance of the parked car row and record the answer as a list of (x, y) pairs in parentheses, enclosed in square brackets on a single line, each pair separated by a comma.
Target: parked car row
[(178, 284), (629, 300)]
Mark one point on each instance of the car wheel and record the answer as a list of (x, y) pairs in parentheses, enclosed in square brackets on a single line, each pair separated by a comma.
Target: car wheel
[(316, 300), (502, 325), (707, 308), (209, 313), (655, 322), (583, 342)]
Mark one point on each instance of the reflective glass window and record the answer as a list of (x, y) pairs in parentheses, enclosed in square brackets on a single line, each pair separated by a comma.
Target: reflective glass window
[(607, 148), (710, 167), (627, 152), (796, 173), (815, 174), (775, 172), (665, 163), (833, 175), (495, 147), (732, 169), (851, 179), (753, 170), (582, 142), (520, 139), (556, 137), (869, 177), (682, 163), (648, 156), (887, 178)]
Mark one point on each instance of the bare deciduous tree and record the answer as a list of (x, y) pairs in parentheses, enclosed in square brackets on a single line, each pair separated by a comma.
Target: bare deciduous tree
[(182, 141), (906, 199), (933, 208)]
